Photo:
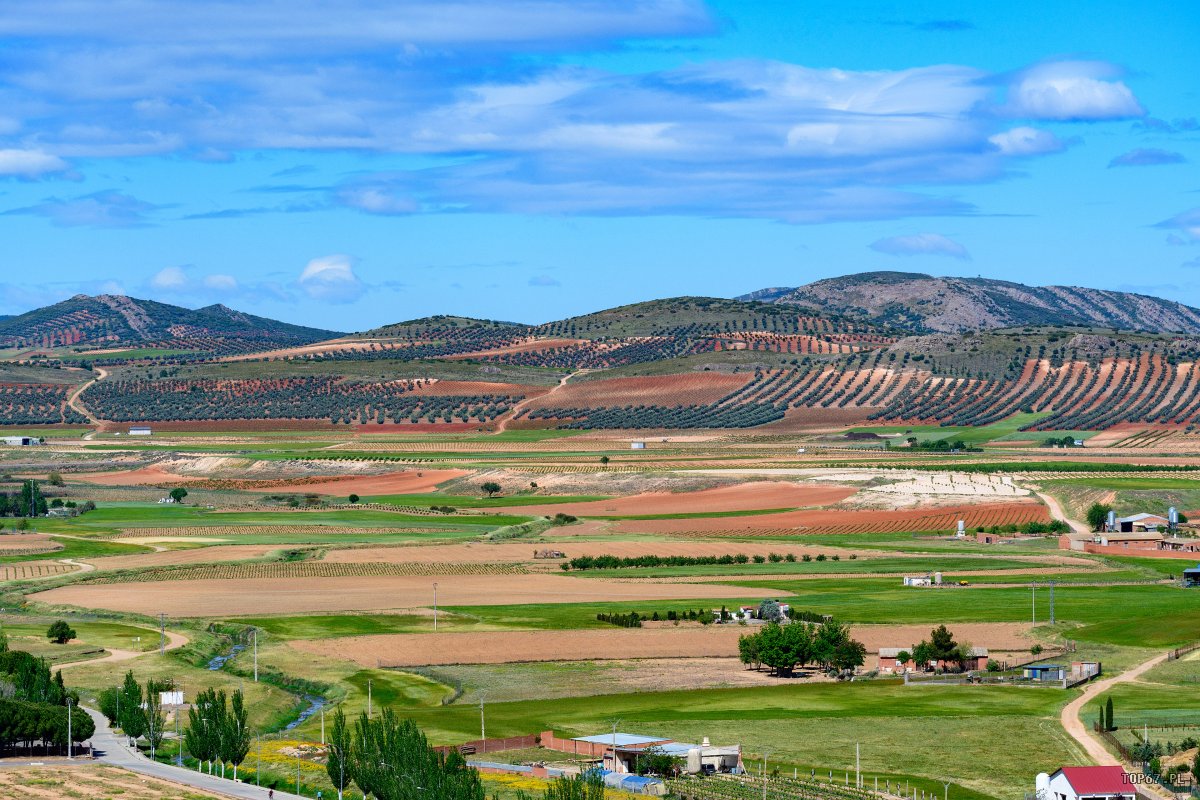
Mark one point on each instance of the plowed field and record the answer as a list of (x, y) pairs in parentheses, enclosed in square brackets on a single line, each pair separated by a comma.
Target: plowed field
[(499, 647), (206, 598), (830, 521)]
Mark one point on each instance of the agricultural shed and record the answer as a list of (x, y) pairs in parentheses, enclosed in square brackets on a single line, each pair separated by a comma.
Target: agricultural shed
[(140, 430), (1131, 541), (20, 441), (1141, 522), (1191, 577), (1086, 783), (1045, 672), (1180, 544)]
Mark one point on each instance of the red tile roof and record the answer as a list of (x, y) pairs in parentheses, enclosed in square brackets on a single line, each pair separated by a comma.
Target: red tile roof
[(1098, 780)]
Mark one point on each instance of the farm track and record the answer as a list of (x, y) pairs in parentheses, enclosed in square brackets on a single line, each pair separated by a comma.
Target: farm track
[(304, 569), (74, 401)]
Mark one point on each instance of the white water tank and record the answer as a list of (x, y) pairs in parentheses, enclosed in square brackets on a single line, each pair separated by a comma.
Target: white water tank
[(693, 761)]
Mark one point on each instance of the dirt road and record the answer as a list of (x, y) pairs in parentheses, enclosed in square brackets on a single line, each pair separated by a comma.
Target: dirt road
[(74, 402), (1081, 732), (502, 426), (1056, 512), (174, 641)]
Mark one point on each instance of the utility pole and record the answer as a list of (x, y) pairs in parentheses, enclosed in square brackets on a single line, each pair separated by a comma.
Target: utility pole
[(368, 698), (482, 728), (322, 724), (162, 633), (857, 766), (1051, 607), (946, 796), (256, 655), (435, 605), (1033, 586), (70, 753)]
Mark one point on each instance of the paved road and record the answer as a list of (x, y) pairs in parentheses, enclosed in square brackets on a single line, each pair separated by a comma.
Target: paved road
[(111, 749)]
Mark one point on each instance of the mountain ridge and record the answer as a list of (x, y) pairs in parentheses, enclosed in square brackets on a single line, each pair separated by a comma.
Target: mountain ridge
[(929, 304)]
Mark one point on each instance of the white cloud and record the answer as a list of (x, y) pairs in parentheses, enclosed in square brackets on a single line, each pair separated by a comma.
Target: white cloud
[(376, 199), (921, 244), (331, 279), (1026, 141), (220, 283), (544, 281), (170, 279), (29, 164), (107, 209), (1072, 90)]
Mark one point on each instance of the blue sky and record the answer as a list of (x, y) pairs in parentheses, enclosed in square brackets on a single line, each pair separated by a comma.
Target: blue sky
[(356, 163)]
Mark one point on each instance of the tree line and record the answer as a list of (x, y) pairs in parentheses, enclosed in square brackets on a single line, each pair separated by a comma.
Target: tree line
[(34, 706)]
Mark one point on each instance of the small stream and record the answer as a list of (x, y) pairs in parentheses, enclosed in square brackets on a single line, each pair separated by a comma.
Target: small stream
[(315, 702), (220, 661)]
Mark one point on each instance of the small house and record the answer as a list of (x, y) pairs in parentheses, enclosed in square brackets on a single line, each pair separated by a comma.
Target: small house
[(1180, 544), (1191, 577), (140, 430), (1086, 783), (1045, 672), (890, 663), (923, 580), (637, 445)]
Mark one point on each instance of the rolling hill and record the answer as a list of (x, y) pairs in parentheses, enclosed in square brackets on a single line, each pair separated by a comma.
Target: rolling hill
[(924, 303), (113, 321)]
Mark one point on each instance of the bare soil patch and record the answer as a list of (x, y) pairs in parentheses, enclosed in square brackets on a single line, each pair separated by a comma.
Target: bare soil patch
[(229, 597), (409, 481), (88, 781), (145, 476), (168, 558), (502, 647), (739, 497)]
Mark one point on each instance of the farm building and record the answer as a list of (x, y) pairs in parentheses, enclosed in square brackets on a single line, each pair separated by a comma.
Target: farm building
[(619, 752), (1131, 541), (1142, 522), (637, 445), (1045, 672), (1191, 577), (140, 430), (20, 441), (889, 661), (1085, 783), (923, 580), (1180, 544)]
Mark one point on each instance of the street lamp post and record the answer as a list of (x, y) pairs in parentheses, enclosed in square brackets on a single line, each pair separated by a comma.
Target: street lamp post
[(435, 605), (70, 752)]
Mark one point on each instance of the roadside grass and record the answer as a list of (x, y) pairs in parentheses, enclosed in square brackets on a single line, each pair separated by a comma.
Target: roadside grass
[(334, 625), (1136, 704), (969, 435)]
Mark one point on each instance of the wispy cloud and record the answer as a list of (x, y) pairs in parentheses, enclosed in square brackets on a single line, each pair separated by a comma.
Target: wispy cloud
[(921, 244), (107, 209), (29, 164), (1186, 223), (544, 281), (1147, 157)]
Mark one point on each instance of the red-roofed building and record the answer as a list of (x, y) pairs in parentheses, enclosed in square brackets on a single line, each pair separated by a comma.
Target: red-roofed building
[(1086, 783)]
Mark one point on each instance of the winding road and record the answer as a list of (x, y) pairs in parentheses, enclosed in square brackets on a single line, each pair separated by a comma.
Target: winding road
[(74, 402), (1080, 731), (174, 642), (111, 749)]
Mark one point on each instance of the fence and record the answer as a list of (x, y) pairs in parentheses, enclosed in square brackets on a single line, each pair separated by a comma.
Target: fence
[(491, 745), (1180, 652)]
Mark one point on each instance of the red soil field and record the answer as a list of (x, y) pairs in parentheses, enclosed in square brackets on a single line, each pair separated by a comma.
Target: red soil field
[(832, 521), (146, 476), (531, 346), (438, 388), (741, 497)]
